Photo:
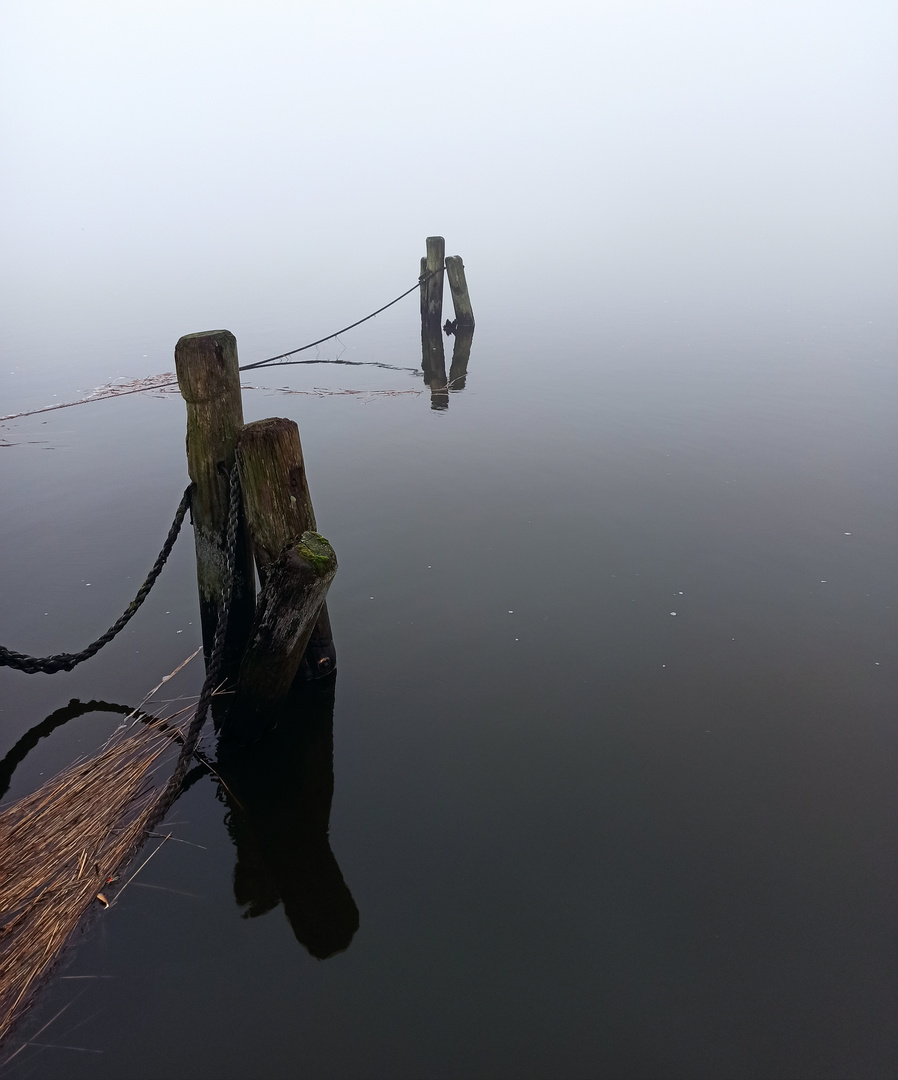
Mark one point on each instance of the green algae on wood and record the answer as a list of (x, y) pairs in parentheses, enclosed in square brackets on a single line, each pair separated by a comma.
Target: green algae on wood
[(291, 598), (278, 509), (275, 489)]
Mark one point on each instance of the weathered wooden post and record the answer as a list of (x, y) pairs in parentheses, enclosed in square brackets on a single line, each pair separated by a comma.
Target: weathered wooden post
[(279, 510), (422, 288), (209, 380), (433, 286), (455, 271), (461, 354), (289, 605)]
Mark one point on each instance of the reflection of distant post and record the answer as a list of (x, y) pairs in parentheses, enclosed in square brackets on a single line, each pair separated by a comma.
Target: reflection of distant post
[(458, 286), (433, 363), (461, 353), (279, 795)]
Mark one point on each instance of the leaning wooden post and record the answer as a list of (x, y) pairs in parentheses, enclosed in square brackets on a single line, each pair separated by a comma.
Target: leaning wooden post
[(289, 605), (433, 287), (278, 510), (455, 271), (209, 380)]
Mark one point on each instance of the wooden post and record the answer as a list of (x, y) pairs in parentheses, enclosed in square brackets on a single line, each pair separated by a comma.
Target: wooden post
[(433, 287), (209, 380), (423, 288), (461, 354), (455, 271), (278, 510), (291, 598)]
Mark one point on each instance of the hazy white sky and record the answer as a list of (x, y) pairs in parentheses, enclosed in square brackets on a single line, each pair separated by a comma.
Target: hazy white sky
[(146, 143)]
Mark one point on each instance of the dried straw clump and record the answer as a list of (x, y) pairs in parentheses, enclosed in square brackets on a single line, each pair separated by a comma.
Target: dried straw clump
[(60, 846)]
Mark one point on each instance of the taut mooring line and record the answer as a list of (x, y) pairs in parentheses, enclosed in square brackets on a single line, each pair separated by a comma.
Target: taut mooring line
[(352, 326), (273, 361)]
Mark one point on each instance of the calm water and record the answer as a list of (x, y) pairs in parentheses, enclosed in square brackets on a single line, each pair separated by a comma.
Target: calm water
[(612, 740)]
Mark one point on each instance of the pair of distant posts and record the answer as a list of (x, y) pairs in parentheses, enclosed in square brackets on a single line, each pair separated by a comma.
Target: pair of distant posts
[(435, 266)]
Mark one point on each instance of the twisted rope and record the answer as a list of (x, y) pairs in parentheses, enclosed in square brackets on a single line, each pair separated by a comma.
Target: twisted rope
[(49, 665), (213, 672)]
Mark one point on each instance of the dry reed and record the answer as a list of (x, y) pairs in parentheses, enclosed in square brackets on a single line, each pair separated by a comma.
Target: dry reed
[(62, 847)]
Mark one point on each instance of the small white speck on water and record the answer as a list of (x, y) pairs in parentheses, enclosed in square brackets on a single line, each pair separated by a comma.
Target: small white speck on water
[(46, 612), (179, 631), (430, 568), (680, 593), (511, 613), (517, 639), (87, 583), (673, 613), (876, 662), (848, 534), (822, 581)]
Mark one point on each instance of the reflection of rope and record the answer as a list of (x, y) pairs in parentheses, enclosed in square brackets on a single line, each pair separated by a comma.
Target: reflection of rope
[(30, 739), (273, 361), (72, 711), (49, 665)]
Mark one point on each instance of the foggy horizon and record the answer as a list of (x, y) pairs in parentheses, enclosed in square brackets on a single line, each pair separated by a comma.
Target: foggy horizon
[(154, 152)]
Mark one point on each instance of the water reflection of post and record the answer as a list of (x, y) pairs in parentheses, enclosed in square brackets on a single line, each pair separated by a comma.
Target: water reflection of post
[(461, 354), (433, 363), (279, 794)]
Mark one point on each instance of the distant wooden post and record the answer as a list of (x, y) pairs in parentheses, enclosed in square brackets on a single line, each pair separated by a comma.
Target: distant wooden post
[(209, 380), (433, 287), (455, 271), (289, 604), (278, 511), (423, 288)]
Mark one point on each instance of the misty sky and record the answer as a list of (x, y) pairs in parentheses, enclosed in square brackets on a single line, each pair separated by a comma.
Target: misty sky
[(147, 144)]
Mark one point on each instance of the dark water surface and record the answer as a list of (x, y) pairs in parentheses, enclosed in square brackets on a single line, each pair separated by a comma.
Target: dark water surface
[(613, 730)]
